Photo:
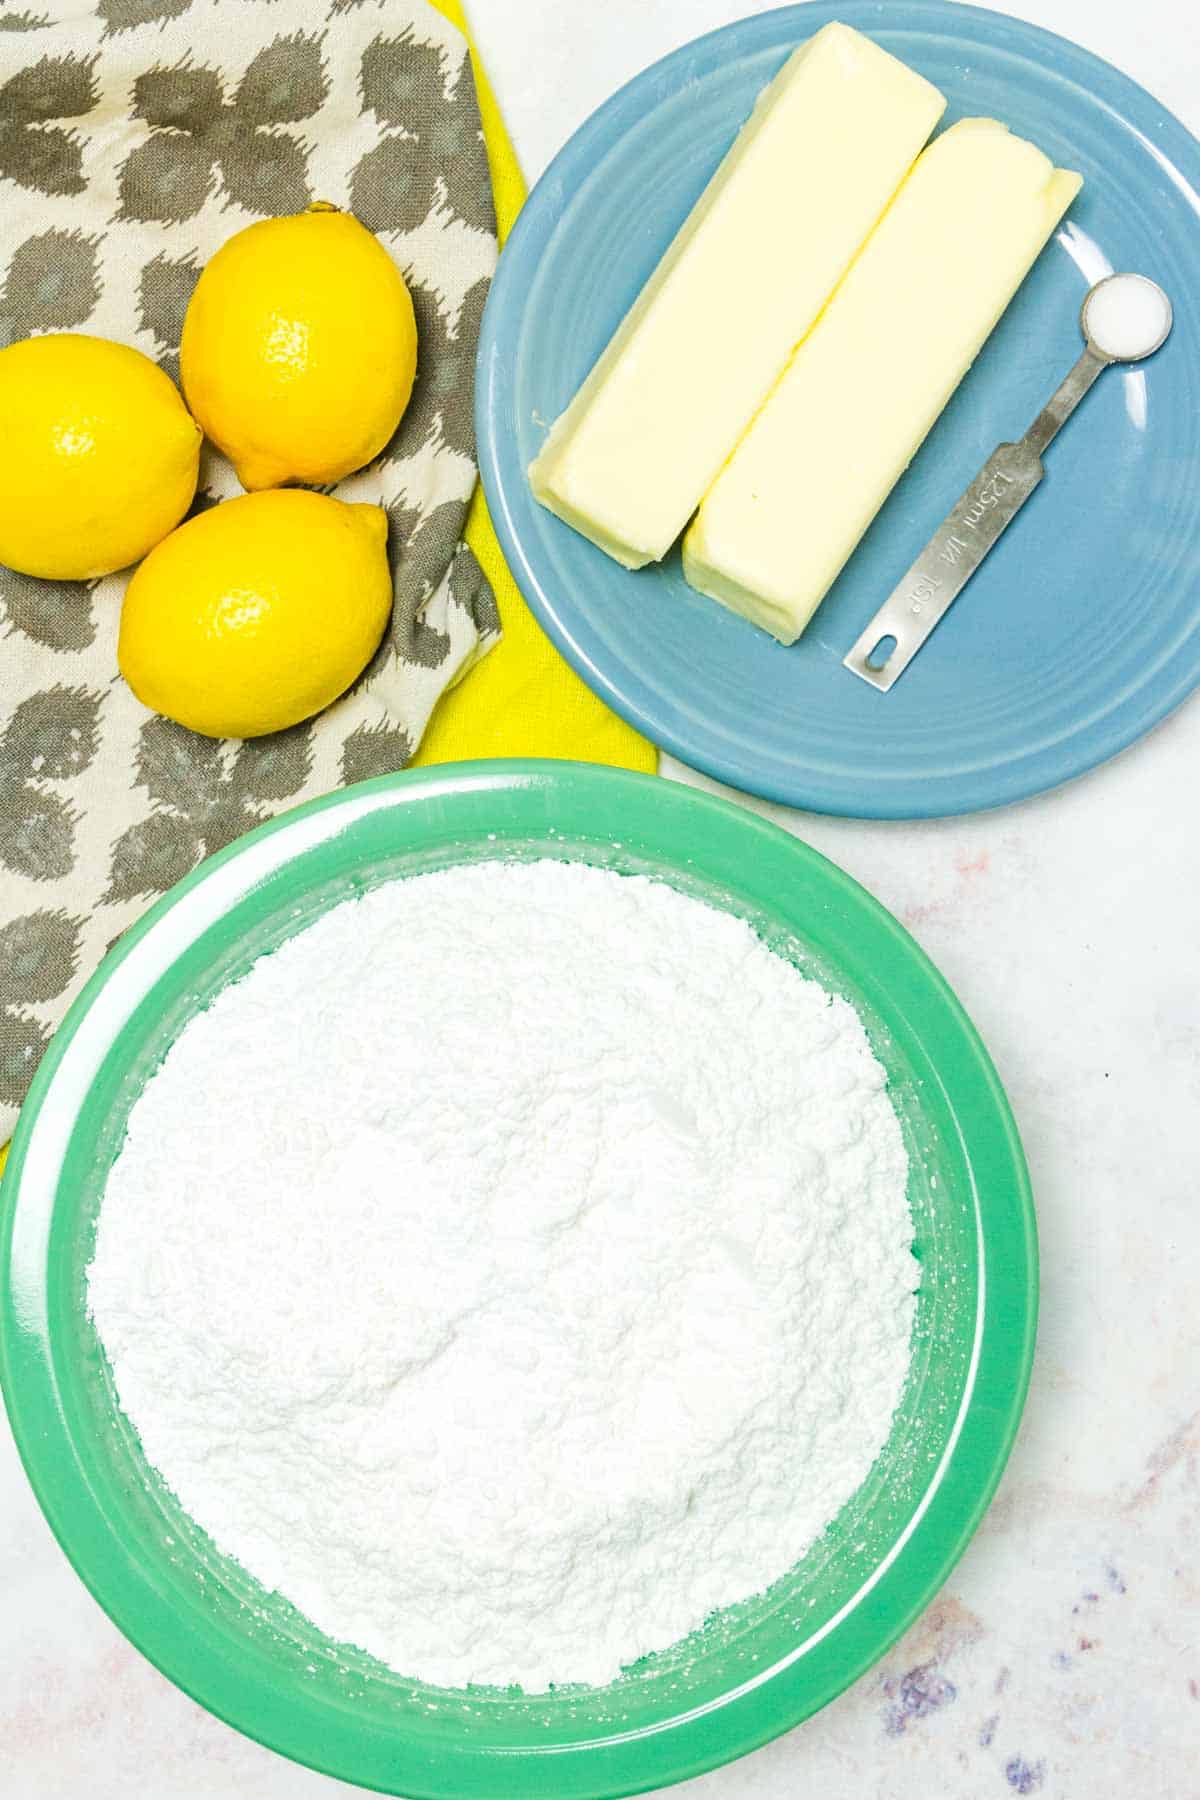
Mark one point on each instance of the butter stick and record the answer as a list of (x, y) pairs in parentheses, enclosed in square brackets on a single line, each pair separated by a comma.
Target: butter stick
[(868, 382), (824, 150)]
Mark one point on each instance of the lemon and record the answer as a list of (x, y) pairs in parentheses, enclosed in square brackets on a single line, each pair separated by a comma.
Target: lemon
[(98, 456), (299, 349), (257, 613)]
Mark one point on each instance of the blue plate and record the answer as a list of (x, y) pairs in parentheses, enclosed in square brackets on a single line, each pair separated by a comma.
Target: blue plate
[(1082, 630)]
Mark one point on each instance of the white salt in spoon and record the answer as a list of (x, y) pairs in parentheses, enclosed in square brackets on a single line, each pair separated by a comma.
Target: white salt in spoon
[(1124, 318)]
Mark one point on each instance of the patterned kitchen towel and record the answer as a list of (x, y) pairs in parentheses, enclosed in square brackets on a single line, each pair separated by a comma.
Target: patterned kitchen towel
[(135, 137)]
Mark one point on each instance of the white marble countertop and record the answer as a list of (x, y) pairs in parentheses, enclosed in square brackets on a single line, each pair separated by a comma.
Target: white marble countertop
[(1062, 1659)]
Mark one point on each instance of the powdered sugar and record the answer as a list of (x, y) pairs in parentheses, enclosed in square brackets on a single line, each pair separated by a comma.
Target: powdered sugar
[(512, 1269)]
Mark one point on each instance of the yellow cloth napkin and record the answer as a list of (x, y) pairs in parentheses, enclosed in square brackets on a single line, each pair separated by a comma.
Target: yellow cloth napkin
[(523, 699)]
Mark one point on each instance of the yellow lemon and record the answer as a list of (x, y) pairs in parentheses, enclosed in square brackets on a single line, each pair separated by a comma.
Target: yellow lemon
[(258, 613), (98, 456), (299, 349)]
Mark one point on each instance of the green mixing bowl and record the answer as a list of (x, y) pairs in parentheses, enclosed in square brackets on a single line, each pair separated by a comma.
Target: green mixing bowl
[(755, 1670)]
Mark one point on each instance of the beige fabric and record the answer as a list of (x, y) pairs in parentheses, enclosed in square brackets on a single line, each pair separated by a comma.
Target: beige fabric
[(135, 137)]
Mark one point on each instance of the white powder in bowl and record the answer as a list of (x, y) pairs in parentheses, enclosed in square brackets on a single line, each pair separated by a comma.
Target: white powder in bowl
[(511, 1269)]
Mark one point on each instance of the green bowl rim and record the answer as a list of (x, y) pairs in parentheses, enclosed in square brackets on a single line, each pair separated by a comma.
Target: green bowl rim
[(708, 1736)]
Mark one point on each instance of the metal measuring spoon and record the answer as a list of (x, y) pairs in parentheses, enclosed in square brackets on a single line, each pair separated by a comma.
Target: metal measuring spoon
[(1124, 318)]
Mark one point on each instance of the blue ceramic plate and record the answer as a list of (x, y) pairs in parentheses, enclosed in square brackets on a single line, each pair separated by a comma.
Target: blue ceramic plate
[(1082, 630)]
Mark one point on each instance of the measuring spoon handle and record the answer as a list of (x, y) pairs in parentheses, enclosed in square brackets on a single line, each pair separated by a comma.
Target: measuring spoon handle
[(923, 596), (1065, 399)]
